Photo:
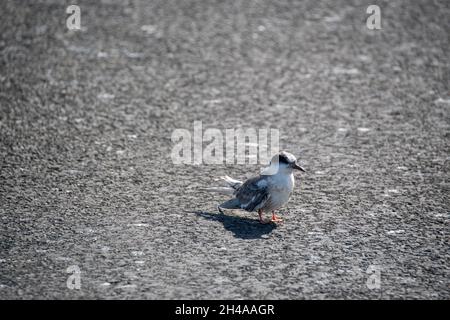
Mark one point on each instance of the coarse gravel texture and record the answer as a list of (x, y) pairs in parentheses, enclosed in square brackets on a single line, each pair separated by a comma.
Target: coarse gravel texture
[(87, 178)]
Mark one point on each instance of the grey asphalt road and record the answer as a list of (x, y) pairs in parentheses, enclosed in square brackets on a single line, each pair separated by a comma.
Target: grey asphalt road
[(85, 138)]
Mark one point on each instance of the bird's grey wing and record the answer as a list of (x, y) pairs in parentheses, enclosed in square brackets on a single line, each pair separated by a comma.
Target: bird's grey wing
[(253, 194)]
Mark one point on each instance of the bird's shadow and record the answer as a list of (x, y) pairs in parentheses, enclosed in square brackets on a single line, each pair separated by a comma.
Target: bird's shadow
[(243, 228)]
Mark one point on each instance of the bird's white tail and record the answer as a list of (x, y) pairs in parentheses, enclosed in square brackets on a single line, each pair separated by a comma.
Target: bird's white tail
[(231, 186), (233, 183)]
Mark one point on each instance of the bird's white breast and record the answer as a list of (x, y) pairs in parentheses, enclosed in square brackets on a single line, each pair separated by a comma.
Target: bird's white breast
[(283, 182), (281, 186)]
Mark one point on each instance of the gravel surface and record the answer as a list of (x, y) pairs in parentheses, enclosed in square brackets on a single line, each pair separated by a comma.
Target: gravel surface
[(86, 176)]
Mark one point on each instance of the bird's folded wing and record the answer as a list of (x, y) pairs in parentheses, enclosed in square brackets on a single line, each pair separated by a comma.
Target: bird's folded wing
[(253, 194)]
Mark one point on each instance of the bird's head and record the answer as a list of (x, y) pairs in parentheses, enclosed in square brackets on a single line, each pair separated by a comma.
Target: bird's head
[(283, 162)]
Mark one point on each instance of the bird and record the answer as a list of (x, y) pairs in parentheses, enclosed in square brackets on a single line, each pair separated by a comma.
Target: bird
[(267, 192)]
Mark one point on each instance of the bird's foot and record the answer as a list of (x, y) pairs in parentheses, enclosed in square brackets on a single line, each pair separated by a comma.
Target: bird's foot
[(276, 218), (261, 220)]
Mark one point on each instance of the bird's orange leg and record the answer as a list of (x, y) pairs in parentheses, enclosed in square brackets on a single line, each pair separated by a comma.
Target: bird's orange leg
[(276, 218)]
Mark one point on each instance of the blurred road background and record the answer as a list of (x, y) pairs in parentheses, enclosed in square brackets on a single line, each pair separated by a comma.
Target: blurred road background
[(86, 176)]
